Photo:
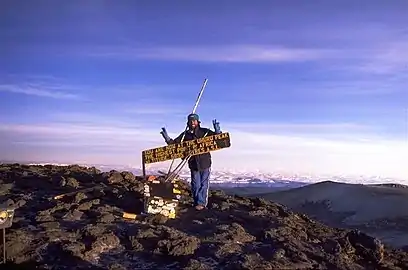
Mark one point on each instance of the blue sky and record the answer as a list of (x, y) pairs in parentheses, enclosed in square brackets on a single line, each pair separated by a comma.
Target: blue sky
[(303, 86)]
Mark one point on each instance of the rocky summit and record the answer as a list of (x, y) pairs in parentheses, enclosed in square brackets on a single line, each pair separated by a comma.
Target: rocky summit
[(85, 229)]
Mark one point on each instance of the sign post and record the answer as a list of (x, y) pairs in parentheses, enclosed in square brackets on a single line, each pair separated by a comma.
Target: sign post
[(6, 220)]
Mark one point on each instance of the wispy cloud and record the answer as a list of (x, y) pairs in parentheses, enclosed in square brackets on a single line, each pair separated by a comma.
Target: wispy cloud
[(385, 57), (335, 132), (390, 57), (298, 126), (152, 110), (76, 135), (103, 119), (301, 128), (153, 107), (71, 129), (41, 90), (32, 77), (216, 53), (89, 129), (267, 151), (372, 85), (313, 155)]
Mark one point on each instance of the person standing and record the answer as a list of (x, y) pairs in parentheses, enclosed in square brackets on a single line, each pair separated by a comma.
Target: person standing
[(199, 165)]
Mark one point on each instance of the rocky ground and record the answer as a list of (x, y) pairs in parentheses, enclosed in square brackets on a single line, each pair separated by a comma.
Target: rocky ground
[(87, 231)]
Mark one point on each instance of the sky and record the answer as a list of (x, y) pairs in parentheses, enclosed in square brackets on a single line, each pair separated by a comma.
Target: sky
[(303, 87)]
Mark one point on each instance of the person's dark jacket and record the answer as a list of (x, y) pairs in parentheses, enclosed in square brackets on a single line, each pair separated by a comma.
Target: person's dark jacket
[(197, 162)]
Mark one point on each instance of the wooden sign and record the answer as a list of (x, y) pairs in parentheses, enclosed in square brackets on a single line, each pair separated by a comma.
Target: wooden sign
[(184, 149)]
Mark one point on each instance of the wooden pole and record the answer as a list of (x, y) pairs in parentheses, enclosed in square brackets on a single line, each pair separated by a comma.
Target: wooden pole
[(4, 245), (144, 167)]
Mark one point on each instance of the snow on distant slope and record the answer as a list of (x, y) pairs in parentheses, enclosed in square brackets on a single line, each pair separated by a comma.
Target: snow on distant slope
[(252, 177), (257, 177)]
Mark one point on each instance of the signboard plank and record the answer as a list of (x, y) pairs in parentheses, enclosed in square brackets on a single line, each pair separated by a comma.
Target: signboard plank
[(184, 149)]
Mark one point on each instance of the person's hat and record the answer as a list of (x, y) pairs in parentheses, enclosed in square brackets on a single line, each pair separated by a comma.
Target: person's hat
[(193, 116)]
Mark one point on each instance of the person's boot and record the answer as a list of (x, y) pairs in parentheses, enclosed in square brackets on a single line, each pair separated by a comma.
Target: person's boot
[(199, 207)]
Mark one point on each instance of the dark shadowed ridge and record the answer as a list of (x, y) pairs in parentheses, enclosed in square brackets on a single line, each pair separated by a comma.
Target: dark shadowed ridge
[(379, 210), (86, 230)]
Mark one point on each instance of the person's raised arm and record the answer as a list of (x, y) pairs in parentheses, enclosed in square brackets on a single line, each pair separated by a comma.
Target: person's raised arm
[(166, 136), (217, 128), (169, 140)]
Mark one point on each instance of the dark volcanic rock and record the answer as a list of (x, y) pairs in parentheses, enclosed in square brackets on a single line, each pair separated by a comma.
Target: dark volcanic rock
[(128, 176), (115, 177), (85, 230), (72, 182)]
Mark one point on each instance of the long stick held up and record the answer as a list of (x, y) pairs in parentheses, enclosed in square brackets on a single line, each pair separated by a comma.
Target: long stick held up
[(193, 111), (199, 95)]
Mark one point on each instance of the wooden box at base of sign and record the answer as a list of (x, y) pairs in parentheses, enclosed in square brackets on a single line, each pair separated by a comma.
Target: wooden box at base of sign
[(161, 198), (158, 205)]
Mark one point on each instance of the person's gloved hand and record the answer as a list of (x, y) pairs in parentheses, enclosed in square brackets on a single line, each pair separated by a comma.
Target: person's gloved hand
[(216, 126), (166, 137)]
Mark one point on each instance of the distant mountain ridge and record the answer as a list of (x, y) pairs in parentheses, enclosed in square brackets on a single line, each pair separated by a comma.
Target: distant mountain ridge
[(379, 210)]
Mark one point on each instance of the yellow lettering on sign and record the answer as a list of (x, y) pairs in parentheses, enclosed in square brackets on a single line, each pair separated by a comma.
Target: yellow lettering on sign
[(221, 136), (184, 149), (190, 143), (209, 144), (171, 146), (205, 139)]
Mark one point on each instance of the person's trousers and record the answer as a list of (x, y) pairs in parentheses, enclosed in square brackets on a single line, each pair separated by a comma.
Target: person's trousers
[(200, 185)]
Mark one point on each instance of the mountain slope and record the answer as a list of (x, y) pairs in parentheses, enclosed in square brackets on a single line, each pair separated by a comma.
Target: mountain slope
[(377, 209), (87, 230)]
